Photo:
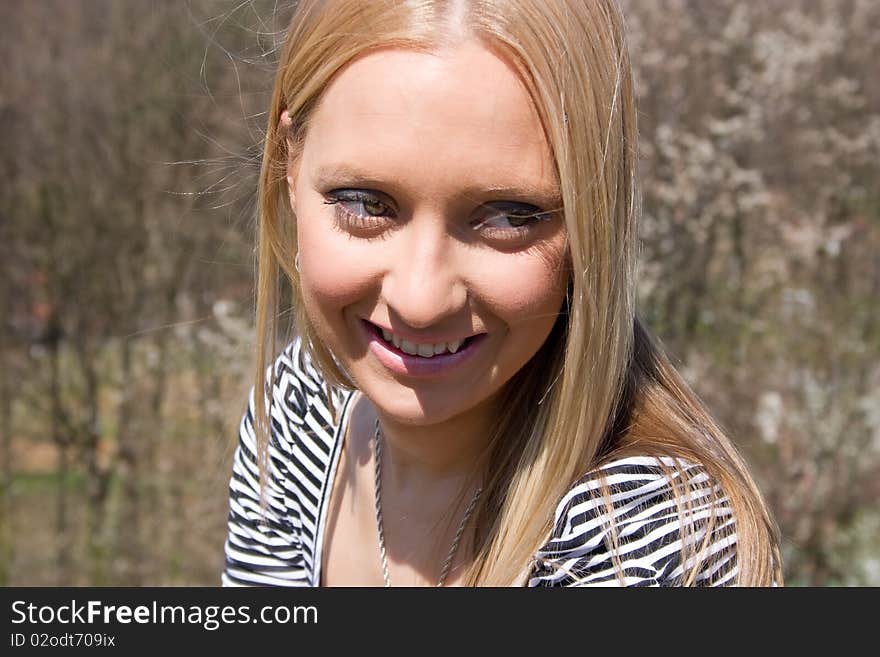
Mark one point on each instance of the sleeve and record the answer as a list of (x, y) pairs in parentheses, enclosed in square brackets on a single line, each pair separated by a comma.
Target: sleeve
[(636, 538), (263, 548)]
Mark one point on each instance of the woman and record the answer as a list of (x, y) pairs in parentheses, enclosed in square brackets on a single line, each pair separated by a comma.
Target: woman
[(449, 188)]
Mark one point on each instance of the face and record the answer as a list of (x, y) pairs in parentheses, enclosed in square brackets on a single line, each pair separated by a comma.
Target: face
[(428, 222)]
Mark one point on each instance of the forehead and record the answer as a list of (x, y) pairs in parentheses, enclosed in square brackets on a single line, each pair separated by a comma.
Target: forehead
[(433, 120)]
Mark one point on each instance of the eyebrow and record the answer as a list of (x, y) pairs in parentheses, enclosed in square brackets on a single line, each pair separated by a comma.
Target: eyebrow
[(337, 174)]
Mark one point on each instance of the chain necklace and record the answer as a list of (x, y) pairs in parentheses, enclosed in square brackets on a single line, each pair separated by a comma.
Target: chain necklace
[(379, 525)]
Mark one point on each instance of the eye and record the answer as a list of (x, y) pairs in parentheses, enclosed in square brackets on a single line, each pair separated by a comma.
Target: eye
[(510, 221), (360, 202), (359, 209)]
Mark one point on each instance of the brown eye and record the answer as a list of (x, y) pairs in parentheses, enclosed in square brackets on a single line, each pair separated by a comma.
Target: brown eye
[(517, 220), (374, 207), (510, 220), (360, 211), (361, 203)]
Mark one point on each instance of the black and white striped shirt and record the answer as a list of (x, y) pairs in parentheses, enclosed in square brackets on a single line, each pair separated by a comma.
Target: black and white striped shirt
[(282, 546)]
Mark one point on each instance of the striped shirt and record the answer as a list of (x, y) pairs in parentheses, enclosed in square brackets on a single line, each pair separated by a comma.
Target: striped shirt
[(641, 533)]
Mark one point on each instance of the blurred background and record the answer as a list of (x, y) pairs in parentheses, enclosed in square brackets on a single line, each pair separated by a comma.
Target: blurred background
[(129, 148)]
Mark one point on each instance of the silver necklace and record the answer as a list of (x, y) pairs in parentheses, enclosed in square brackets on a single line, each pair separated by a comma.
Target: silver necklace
[(379, 525)]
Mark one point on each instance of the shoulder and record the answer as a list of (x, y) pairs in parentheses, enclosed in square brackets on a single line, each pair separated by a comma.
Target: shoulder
[(294, 380), (274, 543), (630, 521), (303, 416), (300, 394)]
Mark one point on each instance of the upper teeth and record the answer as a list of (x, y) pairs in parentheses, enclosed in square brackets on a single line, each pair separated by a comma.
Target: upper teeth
[(424, 350)]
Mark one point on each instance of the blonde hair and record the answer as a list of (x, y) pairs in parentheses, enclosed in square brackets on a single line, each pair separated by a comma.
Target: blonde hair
[(599, 387)]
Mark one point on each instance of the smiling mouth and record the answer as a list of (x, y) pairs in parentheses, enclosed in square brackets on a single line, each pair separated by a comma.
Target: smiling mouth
[(426, 351)]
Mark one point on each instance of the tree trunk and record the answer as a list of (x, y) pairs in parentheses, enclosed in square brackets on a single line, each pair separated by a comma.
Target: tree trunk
[(61, 439), (131, 535), (98, 475), (7, 529)]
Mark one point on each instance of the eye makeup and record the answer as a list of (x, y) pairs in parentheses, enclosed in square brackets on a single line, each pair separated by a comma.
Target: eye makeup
[(521, 220), (358, 210), (371, 215)]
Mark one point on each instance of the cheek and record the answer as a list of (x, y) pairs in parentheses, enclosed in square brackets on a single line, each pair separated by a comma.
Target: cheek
[(335, 272), (522, 291)]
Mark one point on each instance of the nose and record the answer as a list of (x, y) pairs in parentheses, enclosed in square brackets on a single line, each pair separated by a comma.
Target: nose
[(423, 285)]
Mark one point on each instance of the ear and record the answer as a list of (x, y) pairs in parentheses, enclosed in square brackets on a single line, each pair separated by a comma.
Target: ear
[(292, 167), (284, 123)]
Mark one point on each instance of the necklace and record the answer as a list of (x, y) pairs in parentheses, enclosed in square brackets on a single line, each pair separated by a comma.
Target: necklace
[(378, 488)]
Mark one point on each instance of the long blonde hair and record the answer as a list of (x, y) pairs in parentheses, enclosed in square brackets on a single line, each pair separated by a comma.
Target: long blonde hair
[(599, 387)]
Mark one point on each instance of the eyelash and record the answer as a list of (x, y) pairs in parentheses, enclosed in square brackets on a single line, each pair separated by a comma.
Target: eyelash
[(514, 233), (347, 220)]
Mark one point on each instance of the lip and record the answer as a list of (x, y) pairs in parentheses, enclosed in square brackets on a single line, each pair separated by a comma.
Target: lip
[(402, 363)]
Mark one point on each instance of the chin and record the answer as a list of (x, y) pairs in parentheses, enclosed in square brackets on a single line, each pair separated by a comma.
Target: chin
[(409, 407), (419, 408)]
